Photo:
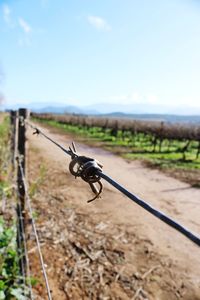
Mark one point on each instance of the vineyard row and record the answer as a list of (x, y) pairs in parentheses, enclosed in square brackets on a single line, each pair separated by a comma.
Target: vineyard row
[(156, 132)]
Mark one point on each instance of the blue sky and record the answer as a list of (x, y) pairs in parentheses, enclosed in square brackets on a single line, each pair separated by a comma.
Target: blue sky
[(101, 51)]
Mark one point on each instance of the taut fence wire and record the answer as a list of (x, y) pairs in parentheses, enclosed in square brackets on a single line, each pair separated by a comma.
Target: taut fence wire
[(30, 210), (22, 239), (91, 172)]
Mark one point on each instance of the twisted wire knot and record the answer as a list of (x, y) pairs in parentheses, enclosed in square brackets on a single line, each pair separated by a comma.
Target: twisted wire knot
[(87, 168)]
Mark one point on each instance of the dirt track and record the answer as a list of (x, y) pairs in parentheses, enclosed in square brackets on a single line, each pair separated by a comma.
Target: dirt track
[(181, 270)]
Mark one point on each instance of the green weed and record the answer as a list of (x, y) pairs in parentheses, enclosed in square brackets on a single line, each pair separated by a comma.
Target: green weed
[(10, 280), (9, 264)]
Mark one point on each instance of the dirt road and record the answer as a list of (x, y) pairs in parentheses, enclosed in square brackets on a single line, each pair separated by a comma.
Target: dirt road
[(180, 257)]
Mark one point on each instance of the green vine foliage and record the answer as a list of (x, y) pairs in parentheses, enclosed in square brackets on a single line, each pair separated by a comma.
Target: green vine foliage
[(11, 287)]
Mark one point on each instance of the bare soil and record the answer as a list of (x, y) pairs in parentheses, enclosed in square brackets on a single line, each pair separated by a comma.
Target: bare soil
[(110, 248)]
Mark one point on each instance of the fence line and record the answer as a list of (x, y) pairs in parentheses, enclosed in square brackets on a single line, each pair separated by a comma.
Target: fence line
[(81, 166), (21, 228), (28, 201), (18, 149)]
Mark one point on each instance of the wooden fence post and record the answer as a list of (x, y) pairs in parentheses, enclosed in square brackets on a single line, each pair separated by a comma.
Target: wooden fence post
[(13, 121), (22, 154), (21, 147)]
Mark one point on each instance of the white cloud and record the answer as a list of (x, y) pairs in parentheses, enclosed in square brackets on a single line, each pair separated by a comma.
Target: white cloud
[(6, 14), (134, 97), (99, 23), (151, 98), (25, 39), (24, 25)]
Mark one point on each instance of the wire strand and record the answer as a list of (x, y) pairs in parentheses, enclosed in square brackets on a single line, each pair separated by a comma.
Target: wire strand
[(186, 232), (19, 244), (158, 214), (21, 219), (38, 131), (28, 200)]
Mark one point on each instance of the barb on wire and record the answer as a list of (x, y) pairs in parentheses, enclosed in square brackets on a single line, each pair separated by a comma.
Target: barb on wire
[(86, 167), (28, 201), (91, 171), (38, 131), (80, 166)]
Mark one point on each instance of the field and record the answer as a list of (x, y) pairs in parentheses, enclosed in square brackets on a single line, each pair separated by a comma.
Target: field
[(172, 148)]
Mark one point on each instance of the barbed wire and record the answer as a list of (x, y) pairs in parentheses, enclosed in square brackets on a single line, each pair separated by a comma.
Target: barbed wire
[(28, 201), (91, 171), (160, 215), (38, 131), (80, 166)]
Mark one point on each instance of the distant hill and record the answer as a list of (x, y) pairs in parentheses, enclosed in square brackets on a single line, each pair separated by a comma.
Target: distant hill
[(143, 108), (157, 117), (57, 108), (109, 110)]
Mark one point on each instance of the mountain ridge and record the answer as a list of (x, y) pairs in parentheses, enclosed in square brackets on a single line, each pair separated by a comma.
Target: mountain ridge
[(110, 110)]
